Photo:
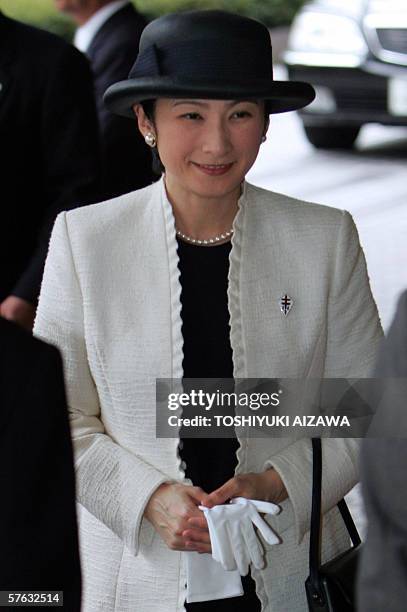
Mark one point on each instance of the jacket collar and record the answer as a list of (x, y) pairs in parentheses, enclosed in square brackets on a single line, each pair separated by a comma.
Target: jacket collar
[(85, 34), (108, 30)]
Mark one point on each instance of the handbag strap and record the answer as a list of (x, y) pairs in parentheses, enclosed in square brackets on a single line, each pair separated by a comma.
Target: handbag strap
[(350, 525), (315, 532), (315, 536)]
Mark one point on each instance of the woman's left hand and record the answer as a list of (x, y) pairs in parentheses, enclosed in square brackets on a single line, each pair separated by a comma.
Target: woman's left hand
[(266, 486)]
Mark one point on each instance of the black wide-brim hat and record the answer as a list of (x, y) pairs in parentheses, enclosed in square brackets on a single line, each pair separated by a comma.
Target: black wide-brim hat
[(208, 55)]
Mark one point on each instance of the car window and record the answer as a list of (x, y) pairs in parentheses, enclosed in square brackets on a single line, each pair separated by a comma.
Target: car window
[(387, 6), (353, 8)]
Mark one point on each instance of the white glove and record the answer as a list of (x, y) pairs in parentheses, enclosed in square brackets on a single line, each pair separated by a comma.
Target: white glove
[(233, 539)]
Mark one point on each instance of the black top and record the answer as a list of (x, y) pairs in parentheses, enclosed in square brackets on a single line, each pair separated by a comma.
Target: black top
[(210, 462), (207, 351)]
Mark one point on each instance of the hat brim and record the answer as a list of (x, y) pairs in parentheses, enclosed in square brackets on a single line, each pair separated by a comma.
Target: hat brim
[(280, 96)]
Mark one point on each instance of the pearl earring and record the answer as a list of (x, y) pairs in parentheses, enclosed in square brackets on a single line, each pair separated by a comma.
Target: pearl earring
[(150, 139), (263, 138)]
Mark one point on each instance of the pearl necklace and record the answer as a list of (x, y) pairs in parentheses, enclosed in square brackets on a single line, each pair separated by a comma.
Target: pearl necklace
[(207, 241)]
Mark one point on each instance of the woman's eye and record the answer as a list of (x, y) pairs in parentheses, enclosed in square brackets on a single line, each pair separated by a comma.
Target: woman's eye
[(192, 116), (241, 114)]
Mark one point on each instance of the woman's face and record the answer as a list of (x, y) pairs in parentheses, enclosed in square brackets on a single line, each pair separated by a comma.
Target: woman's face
[(206, 146)]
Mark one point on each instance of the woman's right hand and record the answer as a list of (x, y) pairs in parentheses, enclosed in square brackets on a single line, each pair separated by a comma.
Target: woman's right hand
[(169, 509)]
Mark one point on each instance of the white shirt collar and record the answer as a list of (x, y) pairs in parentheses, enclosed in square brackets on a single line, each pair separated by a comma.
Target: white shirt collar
[(86, 33)]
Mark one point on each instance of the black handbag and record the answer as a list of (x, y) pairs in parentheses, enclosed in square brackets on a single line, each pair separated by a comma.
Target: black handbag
[(330, 587)]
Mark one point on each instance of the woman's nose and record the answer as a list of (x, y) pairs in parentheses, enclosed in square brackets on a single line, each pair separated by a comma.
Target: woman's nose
[(216, 141)]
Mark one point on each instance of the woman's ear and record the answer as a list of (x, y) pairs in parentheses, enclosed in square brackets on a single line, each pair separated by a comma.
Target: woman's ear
[(144, 123)]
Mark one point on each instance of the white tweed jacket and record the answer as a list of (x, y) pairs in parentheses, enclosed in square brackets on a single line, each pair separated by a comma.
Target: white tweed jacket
[(110, 300)]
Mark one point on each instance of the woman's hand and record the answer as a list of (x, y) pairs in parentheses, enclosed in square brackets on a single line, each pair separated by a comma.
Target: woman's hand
[(266, 486), (169, 510)]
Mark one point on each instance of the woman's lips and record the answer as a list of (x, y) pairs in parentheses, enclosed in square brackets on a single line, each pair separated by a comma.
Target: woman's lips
[(214, 169)]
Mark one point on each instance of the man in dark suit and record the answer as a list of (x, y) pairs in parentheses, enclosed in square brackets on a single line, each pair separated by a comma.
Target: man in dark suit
[(38, 530), (383, 567), (50, 154), (109, 32)]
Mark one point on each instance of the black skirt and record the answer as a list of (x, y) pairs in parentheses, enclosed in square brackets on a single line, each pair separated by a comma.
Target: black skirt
[(248, 602)]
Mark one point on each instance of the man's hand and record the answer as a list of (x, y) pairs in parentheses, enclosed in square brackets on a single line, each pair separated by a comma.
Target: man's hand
[(169, 509), (18, 310)]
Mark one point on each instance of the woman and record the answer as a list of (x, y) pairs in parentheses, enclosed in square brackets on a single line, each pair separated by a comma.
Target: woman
[(200, 274)]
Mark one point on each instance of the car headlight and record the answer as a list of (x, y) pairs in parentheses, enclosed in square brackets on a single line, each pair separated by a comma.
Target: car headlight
[(313, 32)]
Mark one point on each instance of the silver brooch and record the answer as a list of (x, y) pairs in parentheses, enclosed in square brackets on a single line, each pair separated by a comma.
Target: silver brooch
[(286, 303)]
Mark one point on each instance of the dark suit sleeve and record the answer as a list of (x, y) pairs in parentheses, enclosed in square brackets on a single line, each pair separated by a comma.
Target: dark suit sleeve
[(112, 65), (383, 570), (127, 160), (70, 153), (38, 531)]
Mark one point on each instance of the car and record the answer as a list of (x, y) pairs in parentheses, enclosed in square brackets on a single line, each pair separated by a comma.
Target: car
[(354, 52)]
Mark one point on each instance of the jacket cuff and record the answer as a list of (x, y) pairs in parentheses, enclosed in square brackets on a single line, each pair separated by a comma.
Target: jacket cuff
[(115, 486), (297, 478), (339, 475)]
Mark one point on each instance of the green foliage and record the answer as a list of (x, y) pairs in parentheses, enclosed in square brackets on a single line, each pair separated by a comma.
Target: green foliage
[(40, 13), (58, 25), (271, 12), (32, 11), (43, 13)]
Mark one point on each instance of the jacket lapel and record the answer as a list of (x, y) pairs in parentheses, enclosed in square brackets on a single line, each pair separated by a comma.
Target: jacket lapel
[(268, 267)]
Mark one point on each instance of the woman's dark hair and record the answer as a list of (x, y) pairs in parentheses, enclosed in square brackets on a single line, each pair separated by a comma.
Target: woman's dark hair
[(149, 109)]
